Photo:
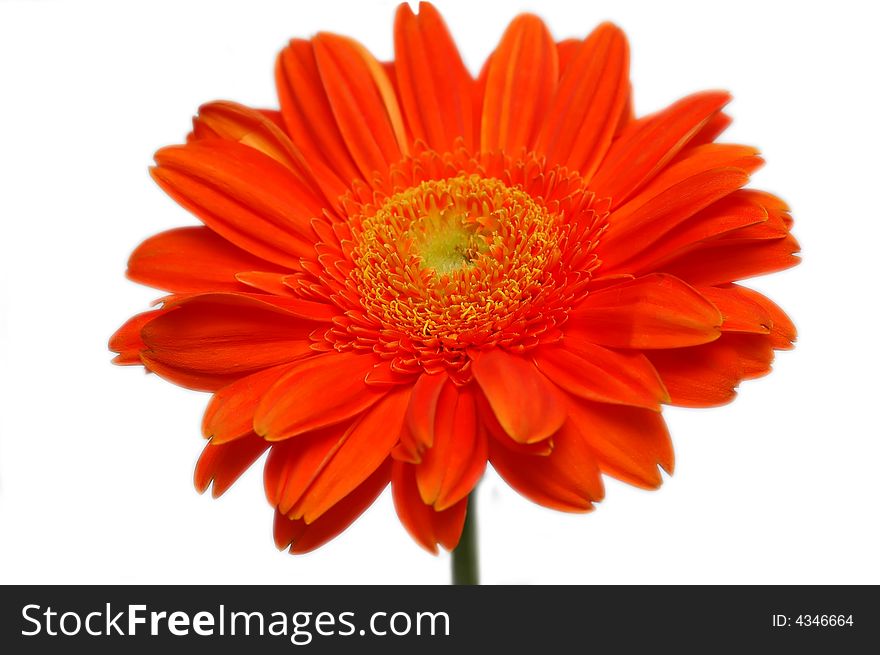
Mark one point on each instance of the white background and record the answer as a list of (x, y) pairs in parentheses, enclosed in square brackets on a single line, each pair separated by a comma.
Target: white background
[(96, 461)]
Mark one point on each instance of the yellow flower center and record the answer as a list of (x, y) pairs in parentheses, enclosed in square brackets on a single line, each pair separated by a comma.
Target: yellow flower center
[(455, 262)]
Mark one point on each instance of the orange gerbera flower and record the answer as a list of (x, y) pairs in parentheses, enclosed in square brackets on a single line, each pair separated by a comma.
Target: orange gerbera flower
[(407, 273)]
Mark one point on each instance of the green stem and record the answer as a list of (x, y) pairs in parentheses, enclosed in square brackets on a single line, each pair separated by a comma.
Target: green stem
[(465, 560)]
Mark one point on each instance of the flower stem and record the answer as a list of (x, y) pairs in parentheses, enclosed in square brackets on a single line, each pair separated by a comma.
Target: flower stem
[(465, 560)]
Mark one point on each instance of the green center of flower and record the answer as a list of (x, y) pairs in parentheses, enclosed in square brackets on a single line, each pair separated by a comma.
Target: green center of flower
[(445, 241)]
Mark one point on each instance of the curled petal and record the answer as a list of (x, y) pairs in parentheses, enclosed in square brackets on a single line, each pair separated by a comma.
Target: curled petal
[(596, 373), (421, 415), (567, 479), (495, 431), (782, 330), (426, 525), (707, 375), (214, 334), (629, 443), (192, 259), (455, 461), (302, 537), (710, 131), (740, 312), (127, 341), (223, 464), (272, 283), (655, 311), (235, 122), (526, 404)]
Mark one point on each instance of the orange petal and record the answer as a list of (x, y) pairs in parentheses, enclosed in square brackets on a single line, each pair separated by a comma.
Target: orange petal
[(777, 225), (294, 464), (309, 118), (242, 195), (264, 131), (230, 413), (455, 462), (406, 449), (302, 537), (222, 464), (494, 430), (435, 87), (709, 132), (596, 373), (782, 331), (567, 479), (707, 375), (422, 411), (127, 339), (566, 50), (235, 122), (740, 312), (190, 259), (225, 335), (319, 391), (629, 443), (707, 157), (520, 82), (723, 261), (526, 403), (742, 208), (773, 228), (185, 377), (674, 196), (272, 283), (648, 144), (427, 526), (588, 103), (273, 115), (655, 311), (286, 531), (479, 95), (363, 102), (385, 374), (365, 446)]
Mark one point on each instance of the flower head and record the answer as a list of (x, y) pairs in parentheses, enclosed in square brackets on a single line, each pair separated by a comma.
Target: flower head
[(408, 273)]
